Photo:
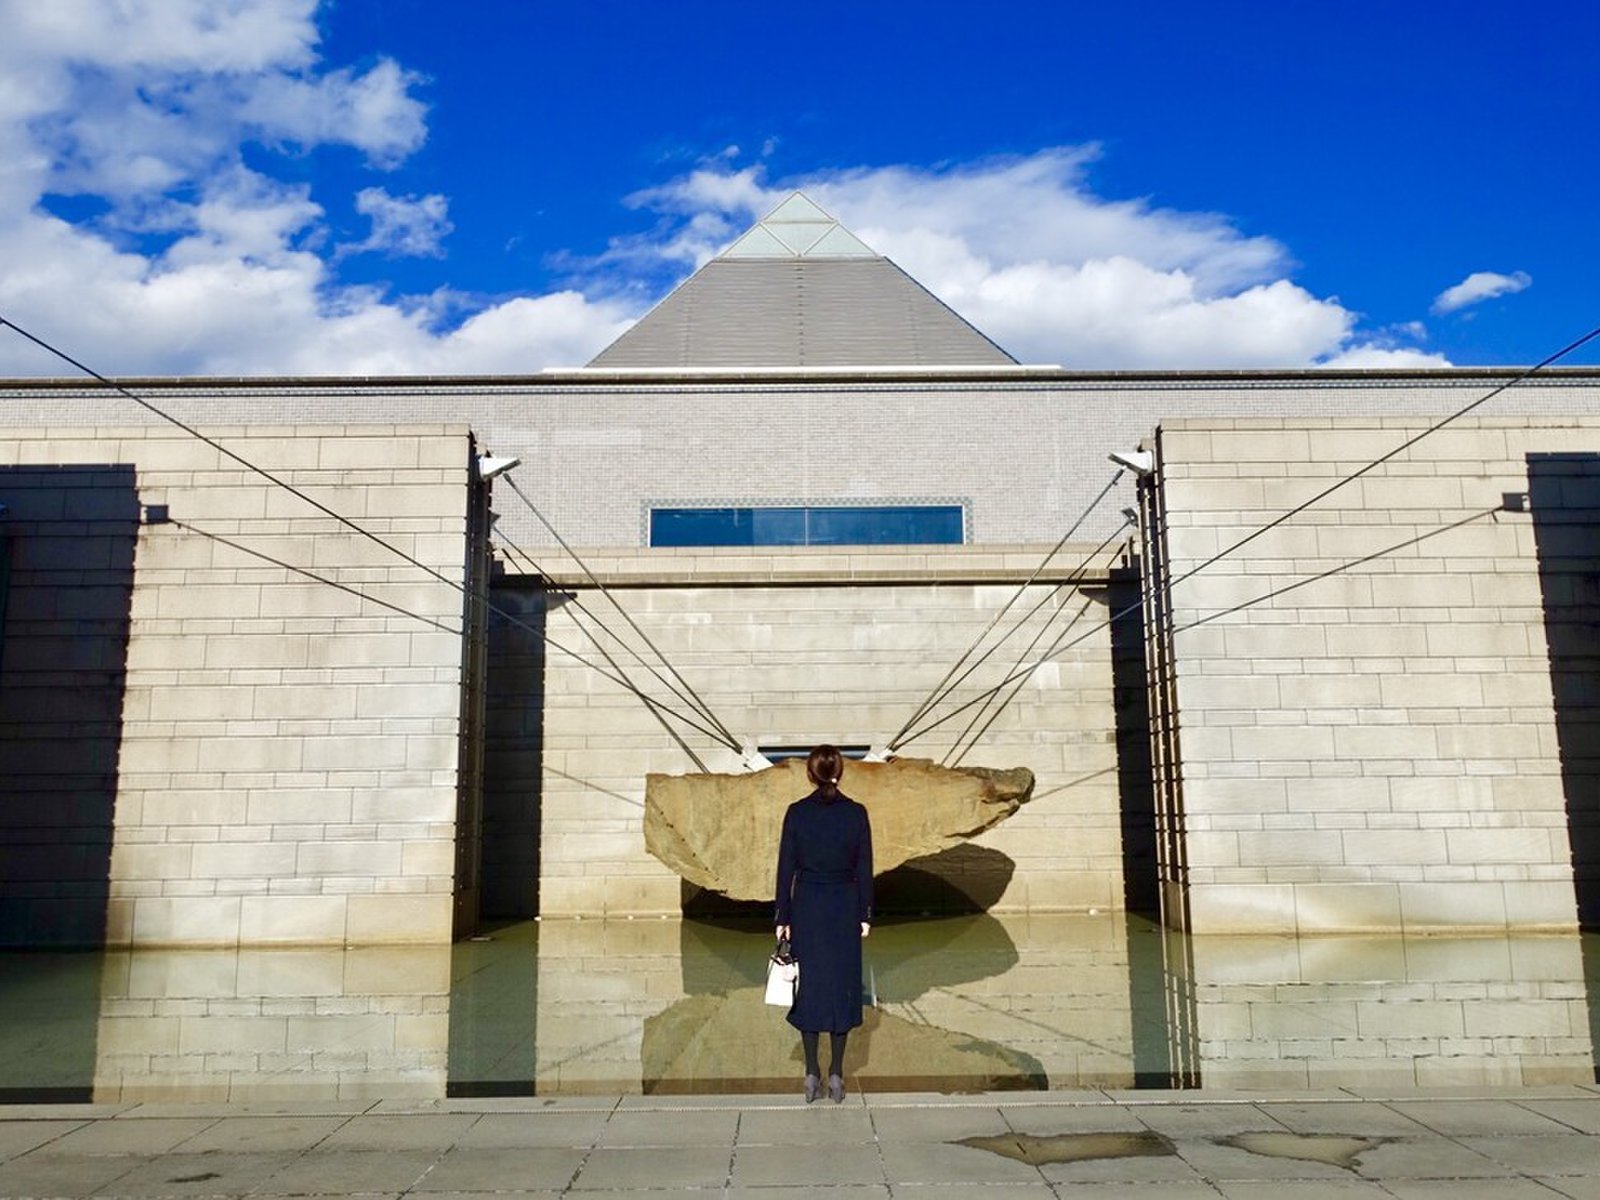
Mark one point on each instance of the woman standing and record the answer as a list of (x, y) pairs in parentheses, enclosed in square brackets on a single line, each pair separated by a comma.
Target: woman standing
[(825, 909)]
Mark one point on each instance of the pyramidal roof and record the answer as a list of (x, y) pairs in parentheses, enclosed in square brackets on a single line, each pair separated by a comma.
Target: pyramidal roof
[(798, 289)]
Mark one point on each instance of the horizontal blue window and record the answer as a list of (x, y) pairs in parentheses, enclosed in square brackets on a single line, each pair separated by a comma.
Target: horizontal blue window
[(808, 525)]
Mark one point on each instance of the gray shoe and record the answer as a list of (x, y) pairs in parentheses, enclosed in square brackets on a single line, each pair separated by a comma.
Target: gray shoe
[(836, 1089), (813, 1088)]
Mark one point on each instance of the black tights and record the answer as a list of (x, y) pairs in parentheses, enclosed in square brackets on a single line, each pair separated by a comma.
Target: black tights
[(836, 1041)]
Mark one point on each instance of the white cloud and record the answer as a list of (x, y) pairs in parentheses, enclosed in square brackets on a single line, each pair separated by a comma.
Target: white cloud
[(1025, 250), (146, 106), (1478, 287), (373, 112), (403, 226), (198, 261)]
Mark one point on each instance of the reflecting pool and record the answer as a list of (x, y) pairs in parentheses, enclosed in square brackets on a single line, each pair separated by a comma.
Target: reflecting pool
[(983, 1002)]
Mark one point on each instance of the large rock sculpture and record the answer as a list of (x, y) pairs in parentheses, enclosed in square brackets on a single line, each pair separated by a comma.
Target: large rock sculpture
[(721, 831)]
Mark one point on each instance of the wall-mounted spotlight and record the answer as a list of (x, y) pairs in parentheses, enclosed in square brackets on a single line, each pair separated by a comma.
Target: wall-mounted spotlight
[(1140, 462), (489, 466)]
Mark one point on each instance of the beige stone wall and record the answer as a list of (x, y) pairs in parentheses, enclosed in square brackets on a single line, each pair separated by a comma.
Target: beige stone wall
[(1377, 749), (1025, 456), (807, 646), (287, 751)]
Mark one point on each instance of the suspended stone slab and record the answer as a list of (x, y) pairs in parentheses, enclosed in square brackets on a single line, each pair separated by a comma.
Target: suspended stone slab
[(721, 831)]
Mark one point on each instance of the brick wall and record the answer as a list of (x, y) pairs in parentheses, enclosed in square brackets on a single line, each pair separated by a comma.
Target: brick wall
[(1382, 748), (285, 753)]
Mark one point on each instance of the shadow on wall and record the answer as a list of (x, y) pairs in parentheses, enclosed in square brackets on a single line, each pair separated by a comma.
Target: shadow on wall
[(68, 538), (1564, 494)]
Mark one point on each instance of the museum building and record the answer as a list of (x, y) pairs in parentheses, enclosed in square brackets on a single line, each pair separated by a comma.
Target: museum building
[(355, 660)]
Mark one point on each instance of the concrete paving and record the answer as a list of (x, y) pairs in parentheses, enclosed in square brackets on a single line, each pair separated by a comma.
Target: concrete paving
[(1504, 1144)]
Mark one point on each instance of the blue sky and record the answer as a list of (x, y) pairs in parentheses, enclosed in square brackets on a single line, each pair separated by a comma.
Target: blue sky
[(279, 187)]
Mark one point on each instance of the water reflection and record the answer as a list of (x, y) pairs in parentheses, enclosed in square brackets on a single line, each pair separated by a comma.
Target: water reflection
[(1359, 1011), (975, 1002)]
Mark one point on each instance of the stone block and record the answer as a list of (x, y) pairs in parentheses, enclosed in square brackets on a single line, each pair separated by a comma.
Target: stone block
[(1540, 903), (1482, 741), (225, 1035), (1394, 847), (151, 860), (291, 703), (1522, 1018), (305, 600), (218, 860), (1298, 848), (288, 920), (1355, 794), (192, 808), (354, 752), (1443, 905), (225, 602), (375, 859), (261, 754), (1521, 846), (404, 804), (179, 920), (437, 857), (440, 700), (1365, 742), (391, 918), (1347, 908), (1285, 744), (1241, 908)]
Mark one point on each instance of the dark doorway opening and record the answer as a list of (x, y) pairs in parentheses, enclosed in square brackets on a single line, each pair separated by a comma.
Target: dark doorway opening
[(513, 751)]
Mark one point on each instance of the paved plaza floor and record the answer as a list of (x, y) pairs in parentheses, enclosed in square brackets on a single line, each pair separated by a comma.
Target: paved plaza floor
[(1504, 1144)]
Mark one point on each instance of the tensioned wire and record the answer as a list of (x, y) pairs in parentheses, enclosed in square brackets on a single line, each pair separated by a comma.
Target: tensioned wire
[(957, 752), (948, 684), (620, 670), (534, 567), (1072, 581), (1521, 377), (696, 702), (348, 523), (288, 566), (1022, 674)]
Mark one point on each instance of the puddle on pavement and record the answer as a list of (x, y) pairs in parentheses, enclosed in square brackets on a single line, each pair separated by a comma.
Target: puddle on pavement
[(1036, 1151), (1332, 1149), (987, 1002)]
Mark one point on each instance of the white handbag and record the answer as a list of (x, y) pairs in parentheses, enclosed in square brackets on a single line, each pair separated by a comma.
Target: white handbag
[(783, 976)]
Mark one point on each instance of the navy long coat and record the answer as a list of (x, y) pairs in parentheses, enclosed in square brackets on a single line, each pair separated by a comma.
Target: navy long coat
[(824, 893)]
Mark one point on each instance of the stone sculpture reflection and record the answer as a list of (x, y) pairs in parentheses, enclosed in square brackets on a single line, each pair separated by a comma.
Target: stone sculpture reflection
[(720, 832)]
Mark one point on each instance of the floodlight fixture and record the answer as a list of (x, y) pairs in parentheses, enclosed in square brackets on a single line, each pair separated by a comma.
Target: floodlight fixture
[(1140, 462), (753, 759), (490, 466)]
